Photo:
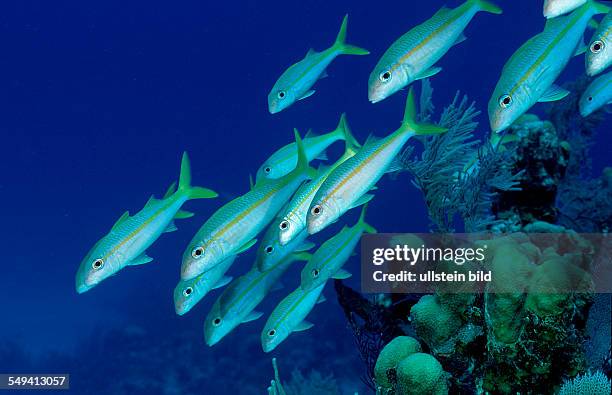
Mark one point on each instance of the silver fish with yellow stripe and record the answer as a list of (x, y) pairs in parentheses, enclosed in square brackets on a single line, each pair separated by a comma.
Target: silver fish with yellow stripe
[(296, 82), (284, 159), (599, 54), (328, 260), (529, 76), (293, 221), (347, 186), (597, 95), (130, 237), (413, 55), (289, 316), (188, 293), (555, 8), (271, 251), (233, 227), (237, 303)]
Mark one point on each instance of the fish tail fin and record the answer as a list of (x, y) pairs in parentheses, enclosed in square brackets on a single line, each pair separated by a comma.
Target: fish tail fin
[(366, 227), (302, 162), (409, 122), (341, 44), (351, 145), (487, 6), (600, 7), (185, 187)]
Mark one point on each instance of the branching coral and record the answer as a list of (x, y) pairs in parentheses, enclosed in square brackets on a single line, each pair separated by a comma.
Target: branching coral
[(591, 383), (314, 383), (453, 174)]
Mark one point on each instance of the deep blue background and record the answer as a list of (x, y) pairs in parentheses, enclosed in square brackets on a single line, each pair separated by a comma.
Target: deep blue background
[(99, 99)]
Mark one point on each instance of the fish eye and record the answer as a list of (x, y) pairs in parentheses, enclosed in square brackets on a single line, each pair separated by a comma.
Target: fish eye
[(97, 264), (188, 291), (316, 210), (315, 273), (284, 225), (281, 94), (590, 98), (597, 46), (505, 101), (271, 332), (267, 169), (385, 76), (198, 252), (269, 249), (217, 321)]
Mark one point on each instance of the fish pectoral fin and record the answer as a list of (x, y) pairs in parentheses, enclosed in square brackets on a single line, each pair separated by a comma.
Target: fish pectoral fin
[(303, 326), (253, 315), (430, 72), (307, 94), (223, 281), (341, 274), (462, 37), (301, 256), (246, 246), (305, 246), (121, 219), (323, 75), (140, 260), (182, 214), (171, 227), (321, 299), (362, 200), (554, 93)]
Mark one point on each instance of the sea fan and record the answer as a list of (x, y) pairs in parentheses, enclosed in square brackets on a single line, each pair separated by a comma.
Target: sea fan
[(454, 176)]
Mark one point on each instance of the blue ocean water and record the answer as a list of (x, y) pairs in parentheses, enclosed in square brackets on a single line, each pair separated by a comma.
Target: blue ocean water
[(99, 100)]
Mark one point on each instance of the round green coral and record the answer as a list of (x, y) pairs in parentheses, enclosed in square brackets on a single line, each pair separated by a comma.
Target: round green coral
[(391, 355), (433, 322), (421, 374)]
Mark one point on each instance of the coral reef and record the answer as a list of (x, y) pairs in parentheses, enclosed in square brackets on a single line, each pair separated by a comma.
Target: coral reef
[(591, 383), (402, 369), (314, 383)]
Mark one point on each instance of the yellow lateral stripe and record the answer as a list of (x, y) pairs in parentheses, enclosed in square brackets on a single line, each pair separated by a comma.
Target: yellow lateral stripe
[(242, 214), (547, 52), (355, 170), (137, 230), (427, 39), (602, 87), (329, 258), (293, 306)]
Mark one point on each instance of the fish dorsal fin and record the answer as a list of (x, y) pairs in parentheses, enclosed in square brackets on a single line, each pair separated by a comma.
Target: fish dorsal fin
[(553, 93), (121, 219), (307, 94), (151, 201), (253, 315), (303, 326), (171, 189), (371, 140), (310, 52), (442, 11), (310, 134), (322, 156)]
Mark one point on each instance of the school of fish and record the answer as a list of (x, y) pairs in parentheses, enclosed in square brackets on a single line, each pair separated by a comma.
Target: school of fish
[(290, 200)]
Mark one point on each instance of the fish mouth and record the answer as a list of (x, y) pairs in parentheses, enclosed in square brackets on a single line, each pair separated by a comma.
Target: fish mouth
[(83, 287)]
